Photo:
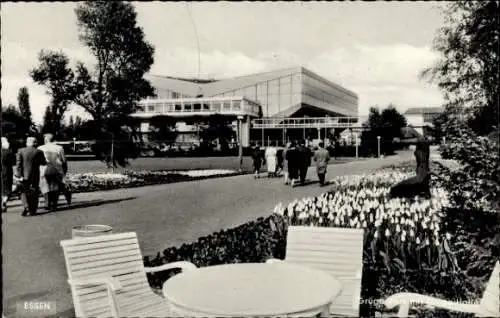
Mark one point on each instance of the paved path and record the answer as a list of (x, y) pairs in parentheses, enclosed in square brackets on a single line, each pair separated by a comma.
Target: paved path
[(162, 216)]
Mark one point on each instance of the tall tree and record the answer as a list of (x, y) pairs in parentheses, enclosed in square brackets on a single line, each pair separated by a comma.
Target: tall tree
[(468, 71), (54, 73), (13, 126), (50, 123), (23, 100), (110, 93)]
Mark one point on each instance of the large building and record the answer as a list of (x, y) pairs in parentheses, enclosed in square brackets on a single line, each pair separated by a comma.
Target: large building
[(421, 118), (288, 99)]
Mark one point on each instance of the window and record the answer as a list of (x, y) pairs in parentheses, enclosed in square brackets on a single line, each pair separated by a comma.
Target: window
[(206, 107), (227, 106), (197, 107), (237, 104), (188, 107), (151, 108), (216, 106), (175, 95), (178, 107)]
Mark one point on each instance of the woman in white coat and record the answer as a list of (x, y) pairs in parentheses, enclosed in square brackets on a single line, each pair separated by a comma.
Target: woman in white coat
[(271, 160)]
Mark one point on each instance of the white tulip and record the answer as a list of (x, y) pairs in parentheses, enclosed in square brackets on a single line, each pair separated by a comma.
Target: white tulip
[(418, 241)]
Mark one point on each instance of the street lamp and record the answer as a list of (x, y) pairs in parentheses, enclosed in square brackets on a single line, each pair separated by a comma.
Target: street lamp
[(240, 141), (378, 143), (357, 144)]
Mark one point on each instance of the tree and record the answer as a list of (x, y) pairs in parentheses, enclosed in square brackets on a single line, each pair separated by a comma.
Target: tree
[(386, 124), (468, 71), (54, 73), (110, 93), (163, 129), (217, 127), (51, 123), (13, 126), (23, 100)]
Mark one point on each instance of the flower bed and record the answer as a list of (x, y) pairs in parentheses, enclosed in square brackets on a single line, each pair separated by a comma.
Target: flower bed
[(87, 182), (408, 244)]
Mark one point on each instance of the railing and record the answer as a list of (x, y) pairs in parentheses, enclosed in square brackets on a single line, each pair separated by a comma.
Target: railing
[(308, 122), (198, 106)]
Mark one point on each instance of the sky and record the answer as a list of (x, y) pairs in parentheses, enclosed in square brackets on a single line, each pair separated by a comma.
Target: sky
[(376, 49)]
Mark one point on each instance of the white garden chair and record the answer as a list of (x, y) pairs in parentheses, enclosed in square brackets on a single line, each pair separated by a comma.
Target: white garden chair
[(338, 251), (489, 305), (108, 278)]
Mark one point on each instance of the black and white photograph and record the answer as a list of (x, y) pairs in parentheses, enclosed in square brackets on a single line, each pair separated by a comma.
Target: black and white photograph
[(250, 159)]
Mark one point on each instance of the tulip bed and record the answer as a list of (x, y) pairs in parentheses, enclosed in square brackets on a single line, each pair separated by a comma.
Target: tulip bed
[(418, 245)]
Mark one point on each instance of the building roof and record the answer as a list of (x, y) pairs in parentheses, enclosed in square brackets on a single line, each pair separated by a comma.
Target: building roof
[(424, 110), (211, 87)]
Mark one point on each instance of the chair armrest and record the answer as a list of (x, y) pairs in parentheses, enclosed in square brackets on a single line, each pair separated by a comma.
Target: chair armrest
[(405, 300), (273, 261), (182, 265), (109, 281)]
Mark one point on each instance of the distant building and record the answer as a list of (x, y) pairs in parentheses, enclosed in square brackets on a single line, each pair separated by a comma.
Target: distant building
[(422, 117), (287, 93)]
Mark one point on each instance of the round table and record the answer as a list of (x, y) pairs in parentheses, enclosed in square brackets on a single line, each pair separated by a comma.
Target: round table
[(242, 290)]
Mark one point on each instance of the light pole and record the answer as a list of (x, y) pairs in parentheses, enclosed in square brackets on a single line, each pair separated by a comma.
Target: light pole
[(378, 144), (240, 142), (357, 144)]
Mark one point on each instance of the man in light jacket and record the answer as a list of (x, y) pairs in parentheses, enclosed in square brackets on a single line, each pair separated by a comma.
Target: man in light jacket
[(321, 157), (52, 181)]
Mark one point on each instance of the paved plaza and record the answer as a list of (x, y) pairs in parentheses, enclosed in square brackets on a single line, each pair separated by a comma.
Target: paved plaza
[(162, 216)]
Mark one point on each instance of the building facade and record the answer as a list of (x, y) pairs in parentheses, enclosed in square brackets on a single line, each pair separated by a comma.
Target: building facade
[(287, 93), (421, 118)]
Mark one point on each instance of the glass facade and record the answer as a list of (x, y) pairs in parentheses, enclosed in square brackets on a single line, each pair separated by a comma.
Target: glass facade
[(274, 95)]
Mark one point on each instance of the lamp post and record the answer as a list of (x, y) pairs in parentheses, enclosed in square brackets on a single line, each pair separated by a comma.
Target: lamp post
[(357, 144), (378, 145), (240, 142)]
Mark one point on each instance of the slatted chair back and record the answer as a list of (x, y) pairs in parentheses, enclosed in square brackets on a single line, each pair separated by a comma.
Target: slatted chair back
[(338, 251), (115, 255), (490, 303)]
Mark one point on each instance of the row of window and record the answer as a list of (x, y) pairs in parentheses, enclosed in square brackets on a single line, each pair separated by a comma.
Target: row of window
[(197, 107)]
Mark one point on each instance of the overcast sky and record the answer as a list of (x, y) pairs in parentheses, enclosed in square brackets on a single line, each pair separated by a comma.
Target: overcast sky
[(376, 49)]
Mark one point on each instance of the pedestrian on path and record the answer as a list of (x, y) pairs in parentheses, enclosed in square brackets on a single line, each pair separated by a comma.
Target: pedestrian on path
[(292, 158), (8, 161), (285, 162), (271, 161), (52, 181), (28, 162), (304, 161), (321, 157), (257, 160)]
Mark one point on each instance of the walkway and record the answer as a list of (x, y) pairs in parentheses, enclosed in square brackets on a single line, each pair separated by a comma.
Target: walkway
[(162, 216)]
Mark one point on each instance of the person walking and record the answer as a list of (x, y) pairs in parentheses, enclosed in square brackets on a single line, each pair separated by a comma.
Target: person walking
[(28, 162), (8, 162), (304, 161), (292, 158), (271, 161), (321, 157), (285, 162), (52, 181), (257, 160)]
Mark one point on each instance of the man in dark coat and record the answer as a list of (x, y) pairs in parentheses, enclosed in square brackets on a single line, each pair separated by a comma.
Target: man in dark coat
[(292, 159), (304, 154), (29, 160), (258, 159)]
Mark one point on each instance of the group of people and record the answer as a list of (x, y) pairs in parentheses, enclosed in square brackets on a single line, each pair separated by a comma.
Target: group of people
[(294, 160), (35, 170)]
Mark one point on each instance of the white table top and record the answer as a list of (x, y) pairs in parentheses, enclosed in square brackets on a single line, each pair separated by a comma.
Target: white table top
[(251, 290)]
